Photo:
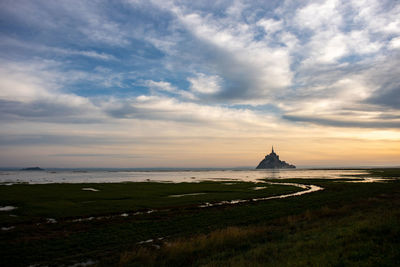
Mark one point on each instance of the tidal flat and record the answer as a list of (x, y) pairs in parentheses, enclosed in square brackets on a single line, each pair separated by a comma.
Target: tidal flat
[(140, 224)]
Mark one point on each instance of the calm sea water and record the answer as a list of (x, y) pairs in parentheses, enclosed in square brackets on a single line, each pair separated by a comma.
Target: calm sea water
[(104, 176)]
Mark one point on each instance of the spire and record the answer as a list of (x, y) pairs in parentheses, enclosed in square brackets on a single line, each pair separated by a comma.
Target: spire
[(272, 150)]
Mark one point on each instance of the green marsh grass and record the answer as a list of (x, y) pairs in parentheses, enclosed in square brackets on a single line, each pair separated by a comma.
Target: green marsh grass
[(366, 233), (38, 202), (346, 224)]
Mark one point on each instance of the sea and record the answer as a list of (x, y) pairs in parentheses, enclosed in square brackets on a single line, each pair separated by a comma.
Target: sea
[(8, 177)]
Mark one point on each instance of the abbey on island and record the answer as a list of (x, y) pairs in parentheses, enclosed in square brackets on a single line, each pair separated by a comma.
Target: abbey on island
[(272, 161)]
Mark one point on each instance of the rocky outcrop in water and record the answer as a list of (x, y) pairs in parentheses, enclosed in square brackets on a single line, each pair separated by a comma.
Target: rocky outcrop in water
[(32, 169), (272, 161)]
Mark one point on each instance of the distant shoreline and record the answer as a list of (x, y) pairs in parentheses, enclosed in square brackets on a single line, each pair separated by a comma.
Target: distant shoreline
[(198, 169)]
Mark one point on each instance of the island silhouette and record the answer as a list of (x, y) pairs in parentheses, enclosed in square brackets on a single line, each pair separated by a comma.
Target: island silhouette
[(272, 161)]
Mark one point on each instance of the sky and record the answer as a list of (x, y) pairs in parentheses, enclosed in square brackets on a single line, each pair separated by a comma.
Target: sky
[(199, 83)]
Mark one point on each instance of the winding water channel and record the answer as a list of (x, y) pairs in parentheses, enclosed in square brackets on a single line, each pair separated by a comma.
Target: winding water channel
[(13, 177)]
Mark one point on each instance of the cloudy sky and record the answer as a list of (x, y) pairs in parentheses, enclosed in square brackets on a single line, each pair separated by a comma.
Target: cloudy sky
[(199, 83)]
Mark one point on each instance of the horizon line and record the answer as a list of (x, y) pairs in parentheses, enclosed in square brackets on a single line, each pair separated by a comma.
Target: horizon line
[(202, 168)]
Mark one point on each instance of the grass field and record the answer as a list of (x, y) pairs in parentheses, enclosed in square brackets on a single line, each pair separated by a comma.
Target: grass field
[(346, 224), (37, 203)]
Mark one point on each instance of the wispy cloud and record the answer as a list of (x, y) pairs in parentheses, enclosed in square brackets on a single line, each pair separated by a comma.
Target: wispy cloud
[(8, 43)]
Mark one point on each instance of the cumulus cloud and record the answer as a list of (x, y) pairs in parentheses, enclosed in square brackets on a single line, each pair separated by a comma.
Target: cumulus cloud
[(324, 14), (363, 97), (205, 84), (252, 67), (377, 16), (394, 43), (270, 25)]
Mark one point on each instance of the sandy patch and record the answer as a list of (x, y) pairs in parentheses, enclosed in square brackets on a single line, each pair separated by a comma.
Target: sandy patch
[(259, 187), (184, 195), (90, 189), (7, 228), (7, 208)]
